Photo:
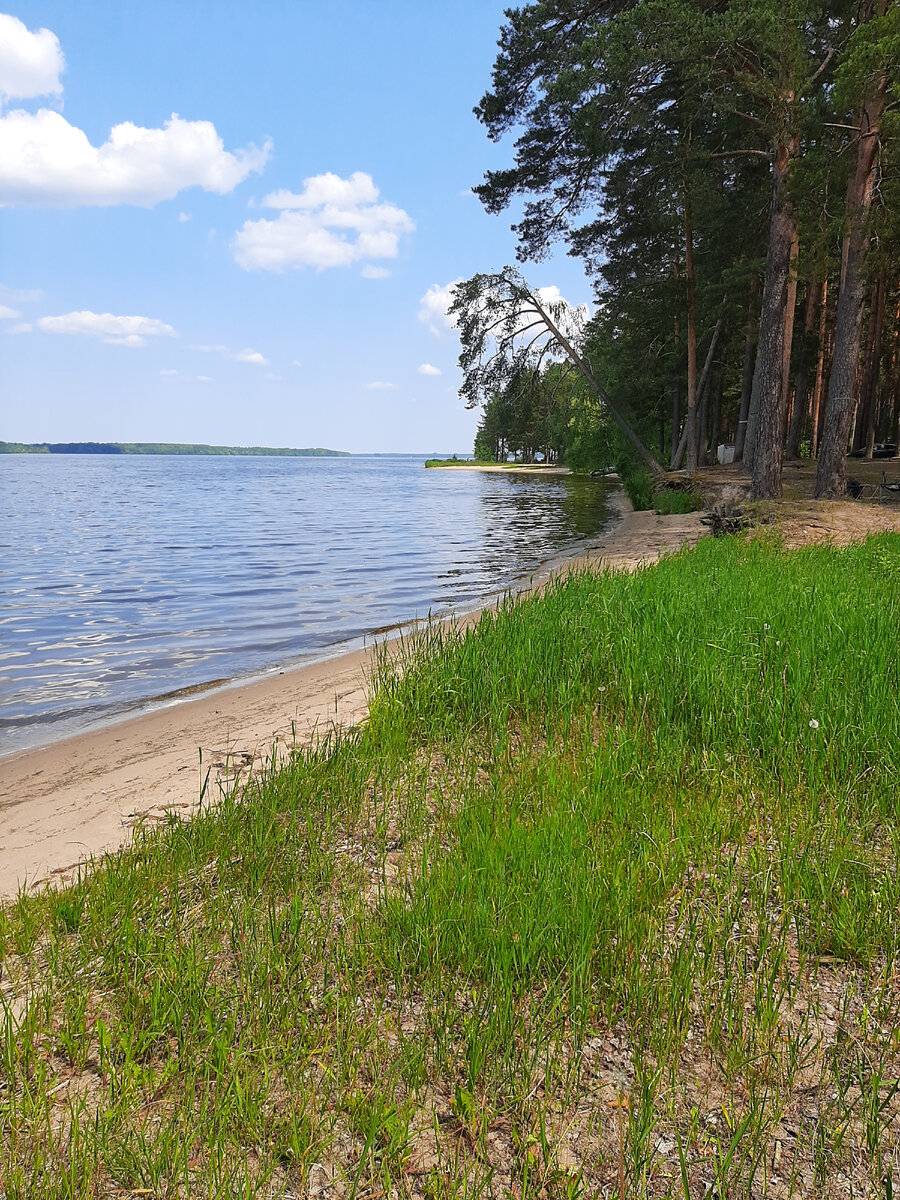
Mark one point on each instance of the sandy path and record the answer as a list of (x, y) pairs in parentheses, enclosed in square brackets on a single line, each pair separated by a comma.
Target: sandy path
[(73, 800)]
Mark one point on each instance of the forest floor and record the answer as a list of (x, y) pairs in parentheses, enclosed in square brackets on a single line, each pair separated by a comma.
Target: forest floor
[(799, 519), (602, 899)]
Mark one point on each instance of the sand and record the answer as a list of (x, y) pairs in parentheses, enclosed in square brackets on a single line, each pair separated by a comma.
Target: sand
[(511, 469), (72, 801)]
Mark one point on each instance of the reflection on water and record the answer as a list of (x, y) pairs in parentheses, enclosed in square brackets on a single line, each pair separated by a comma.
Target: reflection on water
[(125, 578)]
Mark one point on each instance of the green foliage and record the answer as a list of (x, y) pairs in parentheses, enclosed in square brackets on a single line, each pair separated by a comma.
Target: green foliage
[(638, 120), (673, 500)]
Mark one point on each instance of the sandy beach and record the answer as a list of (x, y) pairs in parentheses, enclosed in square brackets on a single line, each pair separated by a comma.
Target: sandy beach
[(499, 468), (66, 803)]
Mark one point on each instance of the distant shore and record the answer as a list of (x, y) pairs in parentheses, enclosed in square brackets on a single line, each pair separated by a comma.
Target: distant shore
[(198, 448), (64, 803)]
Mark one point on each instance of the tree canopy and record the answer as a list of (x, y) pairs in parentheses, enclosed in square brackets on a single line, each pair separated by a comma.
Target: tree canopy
[(720, 168)]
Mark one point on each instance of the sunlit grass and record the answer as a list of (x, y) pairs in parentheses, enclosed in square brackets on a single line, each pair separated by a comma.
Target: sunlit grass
[(604, 896)]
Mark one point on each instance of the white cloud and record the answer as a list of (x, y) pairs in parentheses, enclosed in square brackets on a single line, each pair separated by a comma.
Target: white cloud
[(168, 373), (434, 306), (251, 356), (204, 379), (428, 369), (20, 295), (22, 327), (379, 385), (7, 313), (321, 191), (370, 272), (119, 331), (45, 161), (296, 362), (333, 222), (570, 319), (183, 216), (243, 356), (30, 63), (269, 375)]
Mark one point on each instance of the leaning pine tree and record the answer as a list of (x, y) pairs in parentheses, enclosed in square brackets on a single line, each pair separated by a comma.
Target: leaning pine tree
[(509, 332)]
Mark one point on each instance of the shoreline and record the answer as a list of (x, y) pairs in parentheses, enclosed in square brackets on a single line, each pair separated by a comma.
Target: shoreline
[(76, 799), (496, 468)]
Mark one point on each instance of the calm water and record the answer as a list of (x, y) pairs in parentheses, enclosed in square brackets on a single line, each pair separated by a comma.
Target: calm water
[(126, 578)]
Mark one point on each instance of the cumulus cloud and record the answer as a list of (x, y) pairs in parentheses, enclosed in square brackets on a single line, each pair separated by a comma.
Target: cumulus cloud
[(333, 222), (428, 369), (46, 161), (370, 272), (251, 356), (30, 63), (7, 313), (380, 385), (119, 331), (434, 307), (183, 216)]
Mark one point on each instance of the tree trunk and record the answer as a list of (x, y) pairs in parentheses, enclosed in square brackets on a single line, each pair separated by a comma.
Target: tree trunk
[(765, 434), (740, 435), (893, 422), (690, 288), (715, 420), (873, 373), (818, 391), (678, 456), (801, 386), (831, 482), (789, 311), (867, 389), (676, 391), (703, 429)]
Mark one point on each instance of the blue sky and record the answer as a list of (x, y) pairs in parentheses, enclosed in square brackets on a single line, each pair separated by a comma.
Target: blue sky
[(285, 244)]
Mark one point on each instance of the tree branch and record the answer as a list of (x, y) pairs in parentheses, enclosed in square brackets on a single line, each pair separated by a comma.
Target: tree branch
[(766, 154), (812, 79)]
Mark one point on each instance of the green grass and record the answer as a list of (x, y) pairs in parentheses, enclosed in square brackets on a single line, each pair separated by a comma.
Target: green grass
[(602, 900), (450, 462)]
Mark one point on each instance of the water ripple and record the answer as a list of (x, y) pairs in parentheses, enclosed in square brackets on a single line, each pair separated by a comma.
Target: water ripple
[(127, 578)]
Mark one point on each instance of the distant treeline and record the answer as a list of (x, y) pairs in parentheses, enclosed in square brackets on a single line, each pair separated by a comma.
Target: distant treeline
[(160, 448)]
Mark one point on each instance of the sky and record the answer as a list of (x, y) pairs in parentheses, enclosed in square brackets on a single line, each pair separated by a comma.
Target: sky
[(237, 223)]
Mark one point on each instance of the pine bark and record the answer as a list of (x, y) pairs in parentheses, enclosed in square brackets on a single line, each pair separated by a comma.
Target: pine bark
[(873, 373), (819, 390), (765, 433), (676, 390), (801, 385), (690, 288), (831, 479), (740, 435)]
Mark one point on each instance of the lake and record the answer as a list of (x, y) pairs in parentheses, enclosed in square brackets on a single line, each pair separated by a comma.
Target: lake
[(127, 578)]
